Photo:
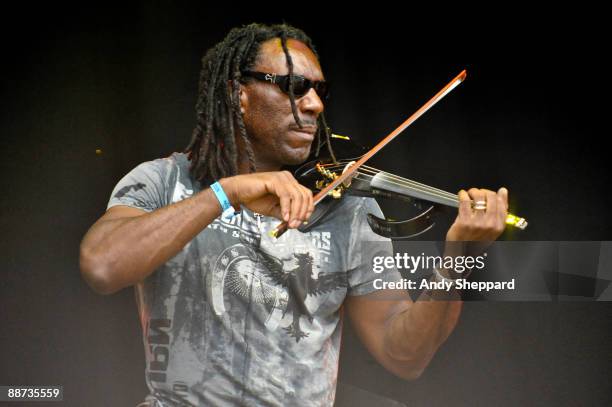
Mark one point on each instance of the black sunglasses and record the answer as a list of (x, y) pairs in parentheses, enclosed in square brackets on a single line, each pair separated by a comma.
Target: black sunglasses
[(301, 85)]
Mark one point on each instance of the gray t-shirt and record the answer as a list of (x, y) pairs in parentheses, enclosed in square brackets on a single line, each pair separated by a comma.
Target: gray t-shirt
[(236, 318)]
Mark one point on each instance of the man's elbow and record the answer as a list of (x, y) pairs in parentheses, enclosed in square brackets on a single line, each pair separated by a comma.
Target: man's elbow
[(410, 374), (94, 273), (407, 371), (409, 368)]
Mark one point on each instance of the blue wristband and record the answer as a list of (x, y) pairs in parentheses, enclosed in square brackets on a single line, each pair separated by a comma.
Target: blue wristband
[(226, 207)]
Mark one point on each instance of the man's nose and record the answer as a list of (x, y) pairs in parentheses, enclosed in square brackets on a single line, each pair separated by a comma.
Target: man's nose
[(311, 103)]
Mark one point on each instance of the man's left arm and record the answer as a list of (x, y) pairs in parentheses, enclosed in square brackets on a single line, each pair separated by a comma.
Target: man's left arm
[(404, 335)]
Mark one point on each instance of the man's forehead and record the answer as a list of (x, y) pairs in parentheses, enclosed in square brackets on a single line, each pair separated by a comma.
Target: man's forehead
[(272, 57), (274, 46)]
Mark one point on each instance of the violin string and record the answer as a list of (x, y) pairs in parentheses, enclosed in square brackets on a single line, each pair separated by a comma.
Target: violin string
[(452, 199), (414, 184), (429, 195), (406, 181)]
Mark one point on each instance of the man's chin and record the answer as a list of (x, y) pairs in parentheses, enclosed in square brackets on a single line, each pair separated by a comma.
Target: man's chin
[(297, 156)]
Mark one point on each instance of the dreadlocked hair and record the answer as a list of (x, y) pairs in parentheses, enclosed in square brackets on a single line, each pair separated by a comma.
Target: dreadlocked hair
[(212, 151)]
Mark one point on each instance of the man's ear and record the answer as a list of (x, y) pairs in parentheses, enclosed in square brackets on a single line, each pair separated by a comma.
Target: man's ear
[(242, 94), (244, 98)]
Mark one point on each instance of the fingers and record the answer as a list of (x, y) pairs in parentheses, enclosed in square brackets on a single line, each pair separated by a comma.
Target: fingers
[(502, 207), (284, 198), (295, 200), (308, 203), (502, 194), (482, 215), (491, 211), (465, 204), (275, 194), (491, 224)]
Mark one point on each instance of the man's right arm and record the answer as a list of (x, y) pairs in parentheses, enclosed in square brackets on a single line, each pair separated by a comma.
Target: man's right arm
[(127, 244)]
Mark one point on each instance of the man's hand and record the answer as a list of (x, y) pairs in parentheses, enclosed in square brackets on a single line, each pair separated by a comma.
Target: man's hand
[(275, 194), (474, 224)]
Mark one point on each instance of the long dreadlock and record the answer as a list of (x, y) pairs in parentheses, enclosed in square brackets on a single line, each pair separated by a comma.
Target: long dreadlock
[(212, 151)]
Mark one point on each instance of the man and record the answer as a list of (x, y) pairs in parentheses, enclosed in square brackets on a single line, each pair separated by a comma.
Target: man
[(229, 315)]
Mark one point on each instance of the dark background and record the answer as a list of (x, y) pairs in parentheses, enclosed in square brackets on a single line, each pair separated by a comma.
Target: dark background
[(123, 79)]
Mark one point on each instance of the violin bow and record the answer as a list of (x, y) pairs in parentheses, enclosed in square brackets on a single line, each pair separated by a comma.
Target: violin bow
[(283, 226)]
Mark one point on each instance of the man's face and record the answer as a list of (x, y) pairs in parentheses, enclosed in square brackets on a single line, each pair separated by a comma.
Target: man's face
[(276, 138)]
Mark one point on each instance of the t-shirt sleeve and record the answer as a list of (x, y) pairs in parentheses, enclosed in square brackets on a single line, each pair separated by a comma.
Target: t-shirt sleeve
[(145, 187), (363, 246)]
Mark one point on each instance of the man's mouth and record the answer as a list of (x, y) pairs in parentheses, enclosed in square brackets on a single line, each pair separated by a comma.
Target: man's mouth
[(305, 133)]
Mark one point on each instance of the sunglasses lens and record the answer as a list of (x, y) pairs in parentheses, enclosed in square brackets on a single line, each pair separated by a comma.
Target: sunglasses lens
[(300, 86)]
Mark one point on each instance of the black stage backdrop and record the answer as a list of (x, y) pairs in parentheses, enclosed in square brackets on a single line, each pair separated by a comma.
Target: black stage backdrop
[(123, 80)]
